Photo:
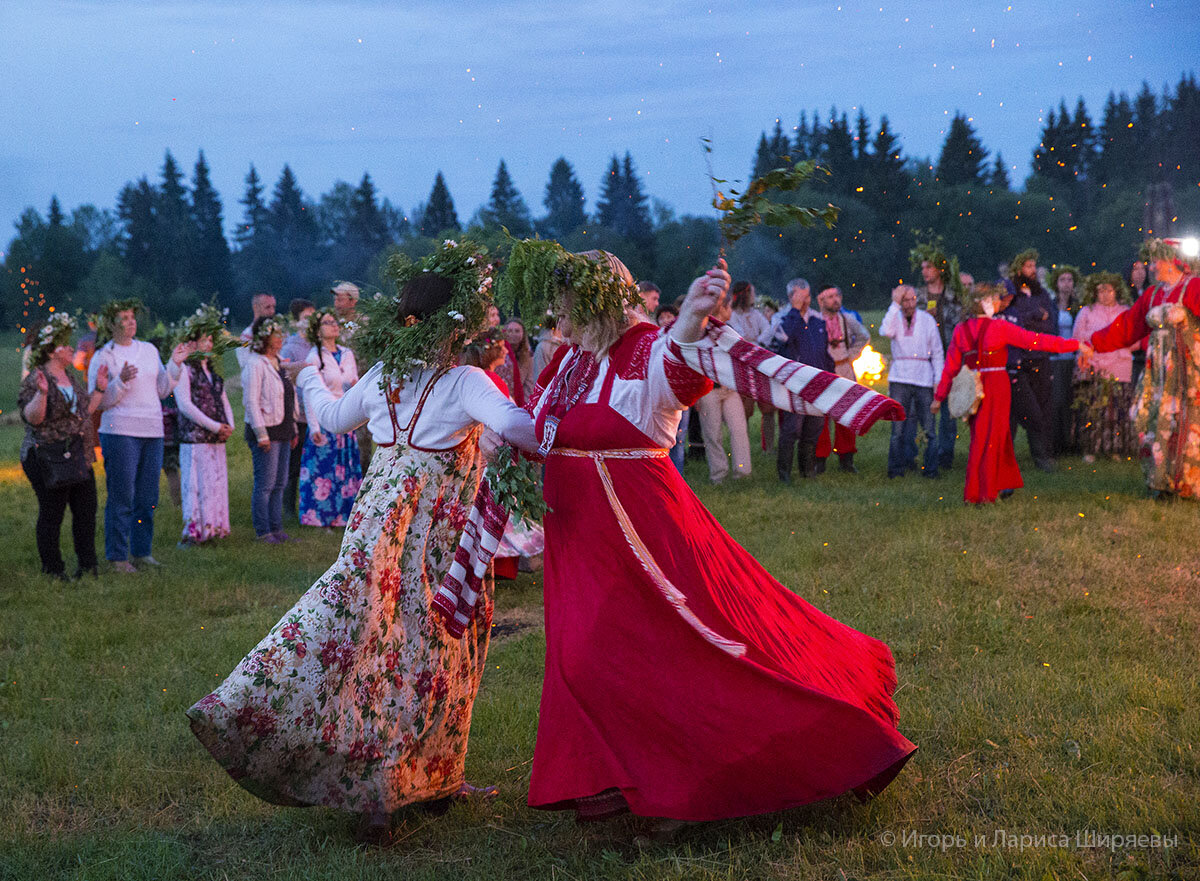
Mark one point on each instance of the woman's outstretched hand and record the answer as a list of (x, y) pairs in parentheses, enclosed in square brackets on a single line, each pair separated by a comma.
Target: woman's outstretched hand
[(704, 295)]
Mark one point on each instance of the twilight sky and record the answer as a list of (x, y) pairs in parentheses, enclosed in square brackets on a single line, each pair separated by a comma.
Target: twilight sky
[(94, 92)]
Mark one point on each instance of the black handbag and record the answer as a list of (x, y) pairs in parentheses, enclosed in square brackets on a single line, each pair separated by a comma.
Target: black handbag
[(62, 463)]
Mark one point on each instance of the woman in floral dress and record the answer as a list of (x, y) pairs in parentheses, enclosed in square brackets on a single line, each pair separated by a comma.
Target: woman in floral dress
[(1166, 417), (356, 699), (1103, 392), (205, 424), (330, 468)]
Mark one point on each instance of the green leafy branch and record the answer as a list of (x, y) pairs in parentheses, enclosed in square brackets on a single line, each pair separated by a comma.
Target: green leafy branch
[(516, 485), (741, 211)]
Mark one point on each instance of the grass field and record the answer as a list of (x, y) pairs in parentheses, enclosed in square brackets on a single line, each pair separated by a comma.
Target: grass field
[(1048, 651)]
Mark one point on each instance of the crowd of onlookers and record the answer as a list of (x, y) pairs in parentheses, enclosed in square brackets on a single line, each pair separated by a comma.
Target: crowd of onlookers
[(1063, 406), (149, 411)]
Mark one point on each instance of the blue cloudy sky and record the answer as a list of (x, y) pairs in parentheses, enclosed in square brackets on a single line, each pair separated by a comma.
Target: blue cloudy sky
[(94, 92)]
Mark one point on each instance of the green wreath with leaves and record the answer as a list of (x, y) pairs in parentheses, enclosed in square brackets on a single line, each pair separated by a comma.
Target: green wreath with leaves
[(406, 345)]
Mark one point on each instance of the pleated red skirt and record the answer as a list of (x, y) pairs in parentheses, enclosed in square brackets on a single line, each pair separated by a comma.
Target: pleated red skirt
[(682, 680)]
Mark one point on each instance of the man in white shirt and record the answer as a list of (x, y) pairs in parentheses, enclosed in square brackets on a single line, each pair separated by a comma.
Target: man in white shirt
[(261, 304), (915, 369)]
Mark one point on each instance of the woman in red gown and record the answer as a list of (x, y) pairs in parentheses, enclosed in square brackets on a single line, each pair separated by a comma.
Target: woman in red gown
[(981, 343), (682, 681)]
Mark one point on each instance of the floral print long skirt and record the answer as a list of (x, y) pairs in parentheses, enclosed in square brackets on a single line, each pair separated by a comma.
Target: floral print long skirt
[(1166, 413), (204, 490), (358, 698), (1102, 426), (330, 478)]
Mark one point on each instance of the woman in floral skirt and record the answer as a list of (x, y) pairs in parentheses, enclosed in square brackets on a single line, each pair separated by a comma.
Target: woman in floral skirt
[(205, 424), (330, 469), (356, 699)]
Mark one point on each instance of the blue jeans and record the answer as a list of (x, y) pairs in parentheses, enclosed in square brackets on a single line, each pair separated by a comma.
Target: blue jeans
[(947, 433), (270, 478), (679, 451), (131, 469), (916, 400)]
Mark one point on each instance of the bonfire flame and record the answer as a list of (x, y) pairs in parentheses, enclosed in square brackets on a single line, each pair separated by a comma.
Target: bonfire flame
[(869, 367)]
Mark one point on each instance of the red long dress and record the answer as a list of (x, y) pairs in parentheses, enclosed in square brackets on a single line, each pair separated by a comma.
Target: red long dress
[(982, 344), (682, 680)]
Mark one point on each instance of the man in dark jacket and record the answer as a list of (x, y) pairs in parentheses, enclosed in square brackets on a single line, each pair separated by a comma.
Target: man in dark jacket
[(803, 338), (1033, 308)]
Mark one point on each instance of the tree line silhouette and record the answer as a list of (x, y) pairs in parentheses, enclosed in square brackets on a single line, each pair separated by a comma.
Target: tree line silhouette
[(1092, 193)]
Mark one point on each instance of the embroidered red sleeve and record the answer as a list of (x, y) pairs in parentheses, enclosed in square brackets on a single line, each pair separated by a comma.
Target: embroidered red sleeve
[(686, 384)]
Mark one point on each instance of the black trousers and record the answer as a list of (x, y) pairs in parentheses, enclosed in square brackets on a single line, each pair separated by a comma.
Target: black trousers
[(792, 428), (291, 492), (1032, 402), (52, 507)]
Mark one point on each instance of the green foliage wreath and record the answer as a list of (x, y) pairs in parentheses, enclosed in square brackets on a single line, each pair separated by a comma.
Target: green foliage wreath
[(405, 344), (544, 277)]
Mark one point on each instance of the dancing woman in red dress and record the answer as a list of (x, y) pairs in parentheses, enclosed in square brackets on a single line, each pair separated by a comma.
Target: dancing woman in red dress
[(981, 343), (682, 681)]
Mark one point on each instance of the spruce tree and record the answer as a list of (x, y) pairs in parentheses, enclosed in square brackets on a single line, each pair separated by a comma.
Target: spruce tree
[(638, 227), (762, 157), (254, 220), (963, 158), (781, 145), (506, 208), (839, 152), (564, 201), (439, 215), (135, 207), (1183, 132), (294, 264), (862, 136), (802, 143), (612, 194), (886, 180), (1083, 142), (1116, 143), (62, 263), (176, 236), (213, 269), (368, 228), (999, 178)]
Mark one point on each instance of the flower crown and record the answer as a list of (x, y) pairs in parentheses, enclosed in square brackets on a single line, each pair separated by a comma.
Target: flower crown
[(108, 315), (266, 328), (1165, 249), (54, 333), (407, 342), (312, 330), (208, 321), (544, 277)]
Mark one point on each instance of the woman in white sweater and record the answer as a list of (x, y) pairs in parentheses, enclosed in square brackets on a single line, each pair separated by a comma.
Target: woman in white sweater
[(131, 433), (269, 401), (330, 468)]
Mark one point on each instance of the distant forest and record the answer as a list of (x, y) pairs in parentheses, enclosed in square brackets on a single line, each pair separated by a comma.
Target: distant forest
[(1092, 193)]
